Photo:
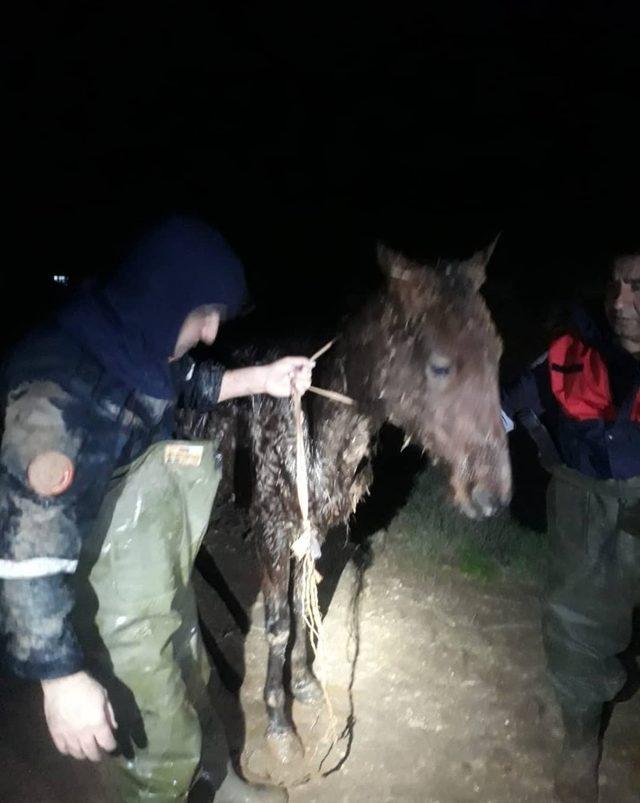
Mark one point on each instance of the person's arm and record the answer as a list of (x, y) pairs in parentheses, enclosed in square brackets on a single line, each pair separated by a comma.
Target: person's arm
[(529, 391), (42, 520), (275, 379), (208, 383)]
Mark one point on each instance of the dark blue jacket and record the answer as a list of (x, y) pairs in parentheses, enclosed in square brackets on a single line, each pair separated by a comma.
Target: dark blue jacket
[(60, 398), (98, 387), (586, 392)]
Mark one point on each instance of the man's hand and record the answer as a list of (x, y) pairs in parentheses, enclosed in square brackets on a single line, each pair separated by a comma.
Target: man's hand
[(289, 373), (79, 716), (277, 379)]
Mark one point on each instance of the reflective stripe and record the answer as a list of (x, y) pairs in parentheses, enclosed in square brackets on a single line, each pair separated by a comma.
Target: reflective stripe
[(507, 422), (36, 567), (540, 360)]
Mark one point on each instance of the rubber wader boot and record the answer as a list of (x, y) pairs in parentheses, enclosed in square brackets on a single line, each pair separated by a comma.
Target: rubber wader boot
[(576, 779), (139, 621), (235, 789)]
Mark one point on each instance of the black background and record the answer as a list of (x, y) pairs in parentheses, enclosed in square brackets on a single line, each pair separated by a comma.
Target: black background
[(306, 132)]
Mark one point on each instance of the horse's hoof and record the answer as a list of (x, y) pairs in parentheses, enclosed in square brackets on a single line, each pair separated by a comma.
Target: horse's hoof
[(307, 690), (285, 745)]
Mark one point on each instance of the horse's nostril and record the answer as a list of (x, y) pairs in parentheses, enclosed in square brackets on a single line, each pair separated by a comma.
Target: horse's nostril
[(481, 496), (488, 502)]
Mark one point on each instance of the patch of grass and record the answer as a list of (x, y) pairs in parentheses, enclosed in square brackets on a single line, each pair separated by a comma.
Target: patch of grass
[(475, 563), (432, 530)]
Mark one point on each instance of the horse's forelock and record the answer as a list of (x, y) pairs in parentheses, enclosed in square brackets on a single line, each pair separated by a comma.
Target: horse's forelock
[(444, 303)]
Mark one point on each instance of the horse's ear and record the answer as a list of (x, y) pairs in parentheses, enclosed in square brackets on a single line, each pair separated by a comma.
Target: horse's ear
[(475, 268), (393, 263), (412, 284)]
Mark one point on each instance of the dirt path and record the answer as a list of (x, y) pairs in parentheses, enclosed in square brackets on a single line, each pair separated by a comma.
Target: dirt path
[(449, 703), (449, 700)]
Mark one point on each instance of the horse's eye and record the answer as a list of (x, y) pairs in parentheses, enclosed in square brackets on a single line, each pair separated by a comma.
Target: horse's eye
[(440, 368)]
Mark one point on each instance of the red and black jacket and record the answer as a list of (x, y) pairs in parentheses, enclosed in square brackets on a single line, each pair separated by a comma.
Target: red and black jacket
[(587, 390)]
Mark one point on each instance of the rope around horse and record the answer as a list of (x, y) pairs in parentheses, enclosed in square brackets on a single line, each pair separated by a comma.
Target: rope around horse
[(302, 547)]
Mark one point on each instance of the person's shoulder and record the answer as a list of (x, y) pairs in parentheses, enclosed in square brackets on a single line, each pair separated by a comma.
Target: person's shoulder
[(48, 358), (39, 351), (579, 321)]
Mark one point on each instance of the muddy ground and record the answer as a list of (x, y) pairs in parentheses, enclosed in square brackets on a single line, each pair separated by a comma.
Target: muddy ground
[(440, 677), (436, 682)]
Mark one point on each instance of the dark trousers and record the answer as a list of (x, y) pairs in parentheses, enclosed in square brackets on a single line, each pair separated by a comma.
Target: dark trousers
[(593, 588)]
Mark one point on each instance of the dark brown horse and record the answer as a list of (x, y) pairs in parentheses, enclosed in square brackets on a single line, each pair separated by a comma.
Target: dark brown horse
[(423, 354)]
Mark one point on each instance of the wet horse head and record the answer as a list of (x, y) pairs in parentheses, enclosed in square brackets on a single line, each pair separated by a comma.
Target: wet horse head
[(438, 358)]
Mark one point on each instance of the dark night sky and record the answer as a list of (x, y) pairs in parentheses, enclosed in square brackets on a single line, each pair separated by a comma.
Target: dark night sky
[(306, 133)]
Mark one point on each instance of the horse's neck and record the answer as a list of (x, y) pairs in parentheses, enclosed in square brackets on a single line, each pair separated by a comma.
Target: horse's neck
[(339, 429), (351, 366), (342, 434)]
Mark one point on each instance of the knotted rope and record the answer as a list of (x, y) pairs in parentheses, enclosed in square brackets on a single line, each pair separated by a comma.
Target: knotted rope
[(305, 548)]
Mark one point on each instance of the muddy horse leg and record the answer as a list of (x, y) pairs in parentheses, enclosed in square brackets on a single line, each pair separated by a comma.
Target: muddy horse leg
[(304, 684), (281, 736)]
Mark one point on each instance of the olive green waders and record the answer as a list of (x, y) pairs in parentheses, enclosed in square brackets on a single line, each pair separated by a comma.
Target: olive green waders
[(143, 641), (594, 585)]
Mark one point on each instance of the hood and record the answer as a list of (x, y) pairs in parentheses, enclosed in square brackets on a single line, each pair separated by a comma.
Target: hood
[(130, 321)]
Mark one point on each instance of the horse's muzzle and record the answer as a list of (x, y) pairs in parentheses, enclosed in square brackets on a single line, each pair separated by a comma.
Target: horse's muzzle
[(484, 502)]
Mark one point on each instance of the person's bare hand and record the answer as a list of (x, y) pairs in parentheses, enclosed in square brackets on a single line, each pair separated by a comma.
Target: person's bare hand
[(285, 375), (79, 716)]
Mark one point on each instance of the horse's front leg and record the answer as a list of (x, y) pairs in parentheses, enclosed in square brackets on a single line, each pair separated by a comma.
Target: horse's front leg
[(304, 684), (281, 736)]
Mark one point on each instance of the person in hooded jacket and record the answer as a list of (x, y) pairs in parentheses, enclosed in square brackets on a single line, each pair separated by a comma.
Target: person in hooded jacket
[(101, 514), (581, 403)]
